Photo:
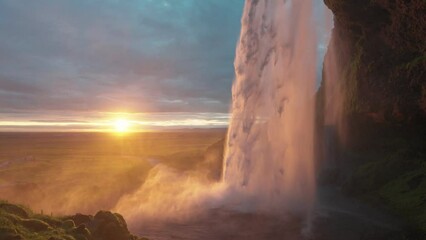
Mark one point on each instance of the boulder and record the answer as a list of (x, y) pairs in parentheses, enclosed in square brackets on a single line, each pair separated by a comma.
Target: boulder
[(109, 226), (81, 218), (68, 224), (14, 209), (35, 225)]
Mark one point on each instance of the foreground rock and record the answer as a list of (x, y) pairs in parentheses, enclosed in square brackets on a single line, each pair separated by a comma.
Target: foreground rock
[(104, 225), (20, 223)]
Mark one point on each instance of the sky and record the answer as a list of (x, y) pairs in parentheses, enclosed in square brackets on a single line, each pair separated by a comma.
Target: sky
[(74, 64)]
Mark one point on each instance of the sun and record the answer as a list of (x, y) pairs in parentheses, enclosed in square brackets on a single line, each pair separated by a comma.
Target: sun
[(122, 125)]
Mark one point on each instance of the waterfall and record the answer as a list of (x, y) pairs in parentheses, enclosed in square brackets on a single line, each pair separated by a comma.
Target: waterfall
[(269, 155)]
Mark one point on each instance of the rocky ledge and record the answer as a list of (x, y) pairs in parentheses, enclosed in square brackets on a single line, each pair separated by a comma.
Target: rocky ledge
[(20, 223)]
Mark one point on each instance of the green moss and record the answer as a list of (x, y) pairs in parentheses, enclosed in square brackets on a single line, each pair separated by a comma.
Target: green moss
[(17, 210), (105, 225), (17, 220), (352, 103), (52, 221), (68, 224), (395, 180), (407, 195), (416, 61), (35, 225)]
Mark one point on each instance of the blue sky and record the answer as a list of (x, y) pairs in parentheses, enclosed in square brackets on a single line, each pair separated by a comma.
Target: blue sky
[(69, 58)]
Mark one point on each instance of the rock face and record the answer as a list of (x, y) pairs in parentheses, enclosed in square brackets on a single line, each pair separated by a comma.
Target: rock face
[(380, 48), (104, 225), (382, 51)]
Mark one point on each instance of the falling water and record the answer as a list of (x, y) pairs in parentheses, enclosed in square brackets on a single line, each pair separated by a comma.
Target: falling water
[(334, 124), (269, 156)]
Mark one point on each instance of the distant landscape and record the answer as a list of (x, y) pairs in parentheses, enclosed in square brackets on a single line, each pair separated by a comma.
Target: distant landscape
[(64, 173)]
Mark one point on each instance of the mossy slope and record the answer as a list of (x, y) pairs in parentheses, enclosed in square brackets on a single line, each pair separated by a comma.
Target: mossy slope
[(20, 223)]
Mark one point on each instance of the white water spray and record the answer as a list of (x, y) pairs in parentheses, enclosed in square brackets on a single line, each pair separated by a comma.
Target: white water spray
[(269, 160), (269, 157)]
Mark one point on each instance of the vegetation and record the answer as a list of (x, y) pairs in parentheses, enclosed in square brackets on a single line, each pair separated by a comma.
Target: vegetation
[(382, 58), (19, 223), (389, 170)]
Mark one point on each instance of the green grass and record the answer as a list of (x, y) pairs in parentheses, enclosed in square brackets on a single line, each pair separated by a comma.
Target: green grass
[(19, 222), (15, 225)]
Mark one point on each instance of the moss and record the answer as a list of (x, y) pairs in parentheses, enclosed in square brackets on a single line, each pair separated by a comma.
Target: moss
[(351, 88), (407, 195), (35, 225), (381, 52), (52, 221), (14, 224), (68, 224), (410, 65), (396, 178), (18, 210), (373, 175)]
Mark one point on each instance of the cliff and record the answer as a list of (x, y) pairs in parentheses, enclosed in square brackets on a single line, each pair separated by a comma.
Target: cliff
[(380, 48)]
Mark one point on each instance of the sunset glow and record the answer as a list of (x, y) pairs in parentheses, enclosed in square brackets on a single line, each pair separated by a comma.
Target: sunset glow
[(122, 125), (113, 122)]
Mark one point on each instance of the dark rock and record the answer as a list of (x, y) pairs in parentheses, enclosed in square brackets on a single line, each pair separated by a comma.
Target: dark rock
[(382, 56), (415, 181), (109, 226), (379, 47), (9, 233), (11, 237), (81, 219), (7, 230), (14, 209), (55, 238), (81, 230), (35, 225), (53, 222), (68, 224)]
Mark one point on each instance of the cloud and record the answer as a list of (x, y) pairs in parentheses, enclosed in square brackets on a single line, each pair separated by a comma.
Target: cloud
[(145, 56)]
